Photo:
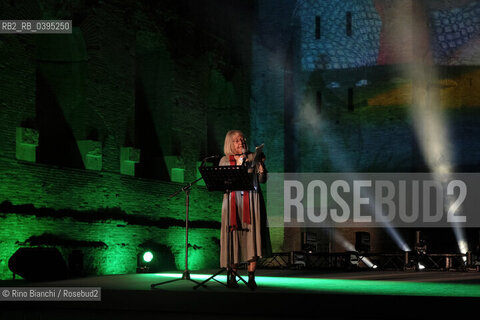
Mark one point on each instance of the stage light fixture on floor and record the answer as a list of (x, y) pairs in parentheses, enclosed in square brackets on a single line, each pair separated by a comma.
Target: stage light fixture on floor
[(147, 256), (154, 257), (299, 260), (145, 262), (352, 259)]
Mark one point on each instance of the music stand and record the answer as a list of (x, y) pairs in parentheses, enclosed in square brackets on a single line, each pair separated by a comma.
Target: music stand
[(226, 179)]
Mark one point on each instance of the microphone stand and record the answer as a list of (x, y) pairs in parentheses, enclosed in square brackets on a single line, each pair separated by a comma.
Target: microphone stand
[(186, 273)]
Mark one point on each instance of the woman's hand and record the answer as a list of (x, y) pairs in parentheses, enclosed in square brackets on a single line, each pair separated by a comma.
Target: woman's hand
[(261, 166), (261, 169), (240, 160)]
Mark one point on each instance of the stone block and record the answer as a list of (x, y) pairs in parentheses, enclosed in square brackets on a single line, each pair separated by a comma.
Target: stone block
[(129, 157), (91, 152), (178, 175), (176, 168)]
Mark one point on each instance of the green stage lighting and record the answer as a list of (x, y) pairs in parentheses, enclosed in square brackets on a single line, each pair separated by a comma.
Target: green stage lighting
[(145, 262), (153, 257)]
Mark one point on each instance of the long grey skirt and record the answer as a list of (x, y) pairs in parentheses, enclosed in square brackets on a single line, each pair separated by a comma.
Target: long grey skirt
[(250, 241)]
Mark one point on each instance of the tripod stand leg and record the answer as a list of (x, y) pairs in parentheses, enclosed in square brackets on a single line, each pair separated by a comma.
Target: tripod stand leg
[(186, 273), (235, 274), (185, 276), (210, 278), (165, 282)]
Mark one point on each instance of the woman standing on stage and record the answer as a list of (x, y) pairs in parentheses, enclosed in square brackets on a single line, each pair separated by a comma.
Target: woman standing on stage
[(244, 211)]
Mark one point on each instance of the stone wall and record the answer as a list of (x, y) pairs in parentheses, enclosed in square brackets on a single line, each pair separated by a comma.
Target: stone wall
[(335, 49), (454, 29), (156, 77)]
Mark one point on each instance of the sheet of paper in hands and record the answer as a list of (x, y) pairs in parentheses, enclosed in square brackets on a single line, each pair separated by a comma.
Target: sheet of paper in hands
[(258, 154)]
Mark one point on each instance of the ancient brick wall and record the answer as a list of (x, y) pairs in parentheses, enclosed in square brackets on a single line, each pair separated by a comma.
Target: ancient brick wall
[(124, 64)]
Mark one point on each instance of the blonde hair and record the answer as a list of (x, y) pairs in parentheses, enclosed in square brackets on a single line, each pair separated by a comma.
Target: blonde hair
[(228, 146)]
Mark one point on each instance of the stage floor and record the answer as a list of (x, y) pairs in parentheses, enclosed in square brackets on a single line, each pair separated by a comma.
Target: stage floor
[(288, 294)]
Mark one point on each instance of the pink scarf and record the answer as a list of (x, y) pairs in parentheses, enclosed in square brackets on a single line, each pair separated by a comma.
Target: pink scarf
[(233, 206)]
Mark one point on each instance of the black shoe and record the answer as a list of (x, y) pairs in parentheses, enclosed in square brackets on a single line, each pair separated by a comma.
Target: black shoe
[(251, 281), (232, 282)]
